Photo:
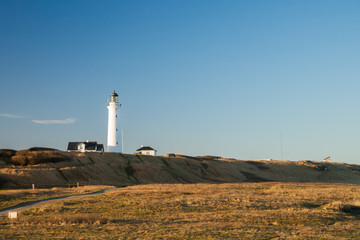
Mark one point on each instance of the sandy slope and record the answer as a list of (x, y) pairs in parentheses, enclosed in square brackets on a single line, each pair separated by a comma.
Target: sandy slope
[(125, 169)]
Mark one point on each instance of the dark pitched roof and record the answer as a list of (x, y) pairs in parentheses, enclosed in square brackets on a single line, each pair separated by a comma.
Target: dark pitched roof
[(74, 146), (145, 148), (90, 145), (114, 94), (100, 147)]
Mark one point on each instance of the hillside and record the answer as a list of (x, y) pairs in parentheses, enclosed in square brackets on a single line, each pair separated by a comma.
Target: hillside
[(126, 169)]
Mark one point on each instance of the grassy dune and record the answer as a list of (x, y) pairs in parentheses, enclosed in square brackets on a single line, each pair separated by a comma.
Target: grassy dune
[(54, 168), (199, 211)]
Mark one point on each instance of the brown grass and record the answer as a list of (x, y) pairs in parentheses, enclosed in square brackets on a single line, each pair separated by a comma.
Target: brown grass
[(31, 157), (128, 169), (10, 198), (65, 219), (6, 154), (200, 211)]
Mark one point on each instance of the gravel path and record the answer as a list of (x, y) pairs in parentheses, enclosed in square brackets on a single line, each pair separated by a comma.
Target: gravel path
[(25, 206)]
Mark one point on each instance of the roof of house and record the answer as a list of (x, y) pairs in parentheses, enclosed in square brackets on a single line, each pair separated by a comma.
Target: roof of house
[(146, 148), (114, 94), (100, 147), (73, 145), (88, 146)]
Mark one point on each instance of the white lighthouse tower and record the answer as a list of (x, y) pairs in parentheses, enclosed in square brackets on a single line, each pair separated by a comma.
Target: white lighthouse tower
[(112, 106)]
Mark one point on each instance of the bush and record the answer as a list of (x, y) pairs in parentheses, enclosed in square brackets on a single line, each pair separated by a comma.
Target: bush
[(27, 157), (6, 154), (34, 149)]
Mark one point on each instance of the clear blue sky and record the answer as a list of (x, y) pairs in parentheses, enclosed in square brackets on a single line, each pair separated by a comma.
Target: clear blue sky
[(224, 78)]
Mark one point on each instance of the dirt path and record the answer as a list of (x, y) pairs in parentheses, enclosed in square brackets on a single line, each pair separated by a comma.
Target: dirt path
[(25, 206)]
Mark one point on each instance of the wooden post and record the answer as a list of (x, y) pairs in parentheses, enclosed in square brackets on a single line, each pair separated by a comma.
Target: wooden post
[(33, 186), (77, 184)]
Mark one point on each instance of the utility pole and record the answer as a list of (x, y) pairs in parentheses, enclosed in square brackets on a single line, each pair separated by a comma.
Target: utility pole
[(281, 146), (122, 140)]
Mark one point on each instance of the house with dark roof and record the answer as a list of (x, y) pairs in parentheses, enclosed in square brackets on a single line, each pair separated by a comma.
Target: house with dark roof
[(146, 150), (88, 146)]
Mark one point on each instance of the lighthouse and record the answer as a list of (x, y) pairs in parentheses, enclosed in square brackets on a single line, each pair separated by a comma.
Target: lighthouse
[(112, 107)]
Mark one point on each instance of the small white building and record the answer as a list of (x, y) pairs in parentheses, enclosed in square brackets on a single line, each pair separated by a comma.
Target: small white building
[(146, 150)]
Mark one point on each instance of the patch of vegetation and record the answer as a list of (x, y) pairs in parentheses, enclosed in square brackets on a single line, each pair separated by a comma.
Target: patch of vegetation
[(3, 181), (10, 198), (259, 165), (314, 165), (204, 165), (209, 157), (199, 211), (33, 157), (250, 177), (34, 149), (66, 219), (6, 154), (129, 170)]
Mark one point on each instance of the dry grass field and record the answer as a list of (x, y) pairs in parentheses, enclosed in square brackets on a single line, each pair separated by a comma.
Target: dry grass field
[(10, 198), (198, 211)]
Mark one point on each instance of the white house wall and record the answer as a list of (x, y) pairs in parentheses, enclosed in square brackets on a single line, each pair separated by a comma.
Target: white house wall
[(150, 152)]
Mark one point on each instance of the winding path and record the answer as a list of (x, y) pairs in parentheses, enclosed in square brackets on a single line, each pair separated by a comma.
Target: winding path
[(25, 206)]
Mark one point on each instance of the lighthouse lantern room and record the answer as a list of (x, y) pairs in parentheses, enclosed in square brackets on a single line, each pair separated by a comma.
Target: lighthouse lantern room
[(112, 107)]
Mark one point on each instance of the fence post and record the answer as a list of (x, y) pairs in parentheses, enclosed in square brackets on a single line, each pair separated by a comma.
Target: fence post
[(33, 186)]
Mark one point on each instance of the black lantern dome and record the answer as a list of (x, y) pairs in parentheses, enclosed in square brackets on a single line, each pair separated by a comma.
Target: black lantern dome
[(114, 97)]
